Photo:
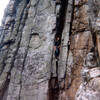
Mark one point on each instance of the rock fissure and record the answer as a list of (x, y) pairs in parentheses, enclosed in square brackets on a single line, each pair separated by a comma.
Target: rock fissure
[(54, 82), (15, 52), (28, 68)]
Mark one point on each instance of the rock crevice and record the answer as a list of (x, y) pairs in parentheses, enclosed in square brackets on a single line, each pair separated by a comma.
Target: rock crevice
[(28, 69)]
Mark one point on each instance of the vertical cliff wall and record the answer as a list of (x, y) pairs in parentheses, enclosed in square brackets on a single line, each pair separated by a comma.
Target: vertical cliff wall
[(28, 69)]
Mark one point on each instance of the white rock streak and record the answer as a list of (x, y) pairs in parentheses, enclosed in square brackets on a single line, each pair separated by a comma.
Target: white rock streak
[(3, 4)]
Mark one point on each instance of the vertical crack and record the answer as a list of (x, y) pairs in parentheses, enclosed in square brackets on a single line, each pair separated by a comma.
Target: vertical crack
[(23, 18), (5, 87), (72, 17), (60, 18), (23, 68), (70, 33), (53, 92), (61, 6), (94, 38), (60, 22)]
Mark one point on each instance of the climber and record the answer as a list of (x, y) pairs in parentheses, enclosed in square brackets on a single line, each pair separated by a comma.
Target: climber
[(57, 47)]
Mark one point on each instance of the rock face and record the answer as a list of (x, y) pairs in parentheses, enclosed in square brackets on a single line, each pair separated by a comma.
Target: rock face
[(28, 69)]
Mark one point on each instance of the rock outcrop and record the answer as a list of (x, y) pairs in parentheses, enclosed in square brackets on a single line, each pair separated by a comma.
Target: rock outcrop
[(28, 69)]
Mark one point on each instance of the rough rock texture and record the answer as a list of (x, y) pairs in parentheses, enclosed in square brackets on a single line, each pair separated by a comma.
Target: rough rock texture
[(28, 69)]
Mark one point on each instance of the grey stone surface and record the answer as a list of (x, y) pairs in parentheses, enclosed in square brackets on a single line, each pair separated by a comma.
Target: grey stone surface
[(28, 69)]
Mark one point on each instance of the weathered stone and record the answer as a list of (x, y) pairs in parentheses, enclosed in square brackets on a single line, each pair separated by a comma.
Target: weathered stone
[(95, 72), (28, 68)]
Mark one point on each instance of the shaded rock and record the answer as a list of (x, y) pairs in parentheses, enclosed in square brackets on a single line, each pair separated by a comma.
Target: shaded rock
[(28, 68)]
